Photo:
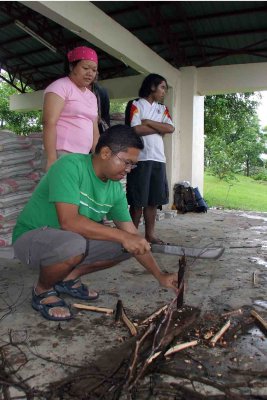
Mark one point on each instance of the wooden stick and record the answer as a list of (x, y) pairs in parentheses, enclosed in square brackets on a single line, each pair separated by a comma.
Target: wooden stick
[(120, 315), (233, 313), (261, 321), (154, 315), (220, 333), (180, 347), (128, 323), (118, 311), (93, 308), (151, 358), (254, 278), (181, 271), (138, 344)]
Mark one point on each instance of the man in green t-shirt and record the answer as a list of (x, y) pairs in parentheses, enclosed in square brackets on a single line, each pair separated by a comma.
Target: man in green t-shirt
[(60, 229)]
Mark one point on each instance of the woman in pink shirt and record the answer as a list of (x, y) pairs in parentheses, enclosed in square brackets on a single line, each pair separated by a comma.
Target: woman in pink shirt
[(70, 112)]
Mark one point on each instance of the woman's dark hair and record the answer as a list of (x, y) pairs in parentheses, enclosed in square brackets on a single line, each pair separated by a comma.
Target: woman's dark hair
[(119, 138), (151, 80), (68, 66)]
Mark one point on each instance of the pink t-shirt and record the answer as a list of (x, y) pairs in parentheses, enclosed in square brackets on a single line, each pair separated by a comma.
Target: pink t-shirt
[(75, 124)]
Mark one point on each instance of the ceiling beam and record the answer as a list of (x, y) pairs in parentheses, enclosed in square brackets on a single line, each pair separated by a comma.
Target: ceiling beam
[(90, 23), (189, 28), (156, 20), (221, 14), (14, 77)]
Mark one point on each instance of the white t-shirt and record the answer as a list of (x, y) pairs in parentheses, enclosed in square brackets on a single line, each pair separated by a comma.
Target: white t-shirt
[(154, 146)]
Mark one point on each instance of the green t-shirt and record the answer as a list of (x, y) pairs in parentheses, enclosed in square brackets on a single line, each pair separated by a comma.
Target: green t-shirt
[(72, 180)]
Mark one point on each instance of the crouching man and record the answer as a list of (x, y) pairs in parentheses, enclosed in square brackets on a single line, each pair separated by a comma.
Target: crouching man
[(60, 232)]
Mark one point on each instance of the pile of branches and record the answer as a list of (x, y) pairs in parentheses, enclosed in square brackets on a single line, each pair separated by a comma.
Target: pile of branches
[(137, 366)]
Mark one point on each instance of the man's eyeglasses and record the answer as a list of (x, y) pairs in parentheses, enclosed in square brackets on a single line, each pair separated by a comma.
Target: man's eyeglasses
[(128, 164)]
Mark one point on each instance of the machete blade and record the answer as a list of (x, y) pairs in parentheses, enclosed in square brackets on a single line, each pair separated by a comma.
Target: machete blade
[(173, 249)]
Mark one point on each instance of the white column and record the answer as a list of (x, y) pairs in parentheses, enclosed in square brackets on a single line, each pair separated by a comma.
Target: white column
[(192, 130), (172, 142)]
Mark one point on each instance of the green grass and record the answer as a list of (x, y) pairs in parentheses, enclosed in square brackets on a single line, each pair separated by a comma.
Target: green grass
[(243, 194)]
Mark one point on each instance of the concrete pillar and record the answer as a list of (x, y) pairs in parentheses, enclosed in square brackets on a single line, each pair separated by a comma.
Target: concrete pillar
[(191, 130), (172, 142)]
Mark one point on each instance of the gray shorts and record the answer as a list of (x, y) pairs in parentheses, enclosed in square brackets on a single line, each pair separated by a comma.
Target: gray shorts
[(48, 246)]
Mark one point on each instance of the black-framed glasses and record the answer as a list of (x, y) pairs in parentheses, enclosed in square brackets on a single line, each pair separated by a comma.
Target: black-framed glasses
[(128, 164)]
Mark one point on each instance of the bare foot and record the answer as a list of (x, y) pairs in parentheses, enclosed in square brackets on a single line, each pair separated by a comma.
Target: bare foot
[(154, 240)]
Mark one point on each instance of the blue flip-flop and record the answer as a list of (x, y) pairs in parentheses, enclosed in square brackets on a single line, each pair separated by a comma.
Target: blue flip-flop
[(80, 292), (44, 308)]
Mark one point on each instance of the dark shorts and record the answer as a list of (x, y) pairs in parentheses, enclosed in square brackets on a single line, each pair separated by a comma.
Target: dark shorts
[(48, 246), (147, 185)]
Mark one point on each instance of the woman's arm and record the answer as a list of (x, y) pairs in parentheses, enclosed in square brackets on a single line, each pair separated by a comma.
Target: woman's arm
[(52, 108), (95, 134)]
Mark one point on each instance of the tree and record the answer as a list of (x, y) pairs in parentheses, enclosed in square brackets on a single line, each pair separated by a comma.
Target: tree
[(233, 139), (117, 106), (21, 123)]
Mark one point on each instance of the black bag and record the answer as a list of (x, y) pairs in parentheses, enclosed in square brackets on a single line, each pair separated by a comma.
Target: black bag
[(201, 204), (188, 199), (184, 198)]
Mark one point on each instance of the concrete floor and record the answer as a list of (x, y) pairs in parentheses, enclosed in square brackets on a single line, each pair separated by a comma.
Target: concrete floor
[(47, 351)]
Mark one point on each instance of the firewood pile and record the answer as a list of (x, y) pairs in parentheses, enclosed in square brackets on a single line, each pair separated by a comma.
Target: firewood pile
[(175, 353)]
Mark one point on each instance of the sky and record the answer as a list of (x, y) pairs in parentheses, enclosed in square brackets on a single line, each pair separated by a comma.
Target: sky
[(262, 110)]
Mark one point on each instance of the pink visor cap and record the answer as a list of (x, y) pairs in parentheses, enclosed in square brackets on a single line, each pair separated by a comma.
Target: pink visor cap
[(82, 53)]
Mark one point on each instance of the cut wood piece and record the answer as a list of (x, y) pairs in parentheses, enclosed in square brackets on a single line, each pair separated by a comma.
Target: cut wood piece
[(219, 334), (128, 323), (151, 358), (180, 347), (120, 315), (152, 316), (262, 322), (233, 313), (93, 308)]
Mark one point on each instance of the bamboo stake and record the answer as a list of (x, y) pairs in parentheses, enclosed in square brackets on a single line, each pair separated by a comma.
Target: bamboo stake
[(220, 333), (93, 308), (154, 315), (263, 323), (180, 346)]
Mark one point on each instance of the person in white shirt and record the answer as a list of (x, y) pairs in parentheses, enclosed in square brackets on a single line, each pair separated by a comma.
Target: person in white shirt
[(147, 186)]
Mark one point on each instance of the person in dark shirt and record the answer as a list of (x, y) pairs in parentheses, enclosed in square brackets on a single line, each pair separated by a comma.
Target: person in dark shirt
[(103, 106)]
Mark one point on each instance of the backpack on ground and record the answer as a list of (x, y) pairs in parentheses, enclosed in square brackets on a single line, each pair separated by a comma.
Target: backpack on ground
[(188, 199)]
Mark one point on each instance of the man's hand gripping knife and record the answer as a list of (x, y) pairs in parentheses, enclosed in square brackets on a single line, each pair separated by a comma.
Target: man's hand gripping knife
[(140, 248)]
